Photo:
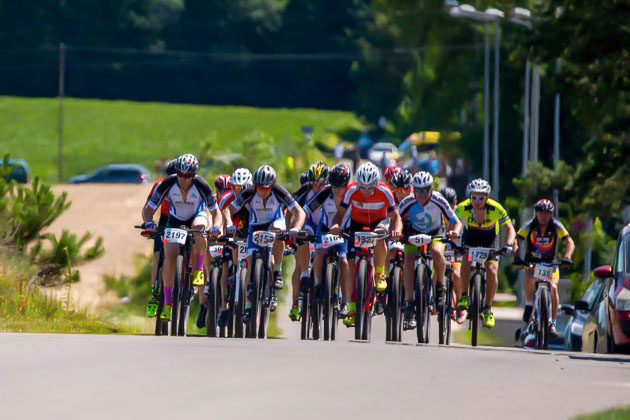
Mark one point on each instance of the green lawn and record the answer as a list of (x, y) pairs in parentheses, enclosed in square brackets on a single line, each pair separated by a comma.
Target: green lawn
[(100, 132), (485, 338), (618, 413)]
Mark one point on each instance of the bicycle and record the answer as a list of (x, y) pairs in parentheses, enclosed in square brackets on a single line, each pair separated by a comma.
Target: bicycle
[(330, 290), (395, 295), (161, 327), (310, 314), (444, 315), (212, 289), (543, 273)]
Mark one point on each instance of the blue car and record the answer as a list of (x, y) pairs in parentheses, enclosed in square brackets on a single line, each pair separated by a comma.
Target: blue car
[(21, 172), (116, 173)]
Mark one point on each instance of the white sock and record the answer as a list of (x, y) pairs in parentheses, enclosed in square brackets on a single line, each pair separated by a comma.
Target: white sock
[(529, 303)]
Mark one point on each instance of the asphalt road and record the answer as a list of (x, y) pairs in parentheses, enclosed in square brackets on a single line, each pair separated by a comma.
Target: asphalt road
[(138, 377)]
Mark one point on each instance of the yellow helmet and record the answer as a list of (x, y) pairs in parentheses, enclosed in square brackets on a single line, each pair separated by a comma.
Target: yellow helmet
[(318, 172)]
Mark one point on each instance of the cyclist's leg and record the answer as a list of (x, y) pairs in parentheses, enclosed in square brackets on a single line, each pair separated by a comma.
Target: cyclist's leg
[(301, 265), (555, 297), (439, 263), (408, 270), (224, 281), (170, 259), (465, 276), (492, 282), (200, 247), (457, 286)]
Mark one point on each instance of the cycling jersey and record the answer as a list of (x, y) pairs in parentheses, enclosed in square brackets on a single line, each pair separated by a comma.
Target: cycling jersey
[(481, 234), (368, 211), (428, 218), (164, 207), (240, 219), (322, 207), (539, 245), (265, 212), (304, 194), (198, 199)]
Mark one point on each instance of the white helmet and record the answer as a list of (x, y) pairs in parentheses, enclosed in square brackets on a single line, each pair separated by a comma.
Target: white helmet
[(187, 164), (478, 185), (242, 177), (422, 179), (264, 176), (367, 174)]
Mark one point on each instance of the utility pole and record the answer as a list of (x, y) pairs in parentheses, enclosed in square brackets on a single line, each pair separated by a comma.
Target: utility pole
[(62, 70), (556, 138), (495, 137)]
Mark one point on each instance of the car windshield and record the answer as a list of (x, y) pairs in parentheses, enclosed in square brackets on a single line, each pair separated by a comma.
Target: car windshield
[(627, 258), (591, 294)]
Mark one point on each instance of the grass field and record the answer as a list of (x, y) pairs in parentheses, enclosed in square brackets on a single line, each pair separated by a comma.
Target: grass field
[(99, 132), (617, 413)]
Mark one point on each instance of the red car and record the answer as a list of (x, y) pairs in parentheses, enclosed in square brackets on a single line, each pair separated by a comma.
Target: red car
[(616, 329)]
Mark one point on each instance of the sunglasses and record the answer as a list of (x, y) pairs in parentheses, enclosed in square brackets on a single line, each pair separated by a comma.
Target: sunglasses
[(401, 190), (421, 190), (181, 175), (261, 188), (238, 188), (366, 188), (477, 197)]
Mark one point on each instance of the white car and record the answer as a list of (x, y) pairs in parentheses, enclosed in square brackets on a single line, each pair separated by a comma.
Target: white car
[(380, 151)]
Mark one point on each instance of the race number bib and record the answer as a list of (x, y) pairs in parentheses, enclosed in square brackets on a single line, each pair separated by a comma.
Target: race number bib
[(331, 240), (449, 253), (365, 239), (263, 238), (419, 240), (543, 272), (216, 251), (172, 235), (242, 250), (478, 255)]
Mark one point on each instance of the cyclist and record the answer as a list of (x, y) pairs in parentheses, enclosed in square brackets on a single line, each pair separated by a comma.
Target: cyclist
[(425, 211), (303, 178), (370, 203), (266, 200), (317, 175), (389, 173), (320, 211), (459, 316), (223, 185), (169, 169), (541, 234), (482, 218), (191, 204)]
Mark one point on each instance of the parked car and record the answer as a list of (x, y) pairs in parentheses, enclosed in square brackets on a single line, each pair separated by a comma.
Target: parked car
[(136, 174), (381, 151), (578, 313), (21, 172), (609, 330)]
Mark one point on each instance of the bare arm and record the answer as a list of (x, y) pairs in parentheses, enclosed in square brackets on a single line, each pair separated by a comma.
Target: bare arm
[(396, 226), (511, 236), (334, 227), (147, 213), (299, 217), (568, 253)]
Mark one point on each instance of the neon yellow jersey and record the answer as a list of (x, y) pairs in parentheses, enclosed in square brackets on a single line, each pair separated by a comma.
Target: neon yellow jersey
[(495, 216)]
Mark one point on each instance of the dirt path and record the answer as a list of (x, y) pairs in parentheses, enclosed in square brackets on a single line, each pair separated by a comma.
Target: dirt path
[(110, 211)]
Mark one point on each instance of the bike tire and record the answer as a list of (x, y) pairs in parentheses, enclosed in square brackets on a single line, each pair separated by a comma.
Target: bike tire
[(543, 328), (419, 301), (449, 310), (161, 327), (255, 282), (263, 304), (184, 304), (239, 306), (359, 317), (176, 292), (305, 315), (395, 304), (328, 307), (316, 311), (475, 308), (428, 293), (213, 302)]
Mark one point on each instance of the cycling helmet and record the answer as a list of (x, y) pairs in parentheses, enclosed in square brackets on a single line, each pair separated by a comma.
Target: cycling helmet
[(401, 179), (367, 174), (479, 185), (422, 179), (242, 177), (303, 177), (339, 175), (187, 164), (390, 171), (544, 205), (223, 182), (169, 168), (318, 172), (449, 194), (265, 176)]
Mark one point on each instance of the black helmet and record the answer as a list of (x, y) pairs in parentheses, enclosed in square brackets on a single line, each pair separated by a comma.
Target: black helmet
[(303, 177), (401, 179), (169, 167), (449, 194), (265, 176), (544, 205), (339, 175), (318, 172)]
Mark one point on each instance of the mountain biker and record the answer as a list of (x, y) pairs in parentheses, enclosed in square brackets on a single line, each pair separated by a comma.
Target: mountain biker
[(223, 185), (317, 177), (320, 211), (266, 199), (425, 211), (451, 196), (192, 205), (541, 234), (482, 218), (370, 203), (389, 173), (169, 169), (241, 178)]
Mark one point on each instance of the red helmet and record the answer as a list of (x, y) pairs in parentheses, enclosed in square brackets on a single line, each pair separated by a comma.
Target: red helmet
[(223, 182), (390, 171)]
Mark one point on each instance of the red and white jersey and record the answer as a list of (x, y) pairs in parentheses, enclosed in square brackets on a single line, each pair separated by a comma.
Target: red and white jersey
[(226, 199), (372, 209)]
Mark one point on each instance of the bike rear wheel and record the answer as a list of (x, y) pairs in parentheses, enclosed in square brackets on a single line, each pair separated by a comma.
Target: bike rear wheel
[(359, 317), (475, 307), (264, 301), (161, 327), (179, 275), (394, 305), (428, 293), (449, 310), (184, 305), (327, 300), (255, 283), (419, 301), (543, 326), (213, 302)]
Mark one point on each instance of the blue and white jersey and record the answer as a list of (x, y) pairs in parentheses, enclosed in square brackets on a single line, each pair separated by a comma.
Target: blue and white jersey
[(428, 218), (261, 212), (199, 197)]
